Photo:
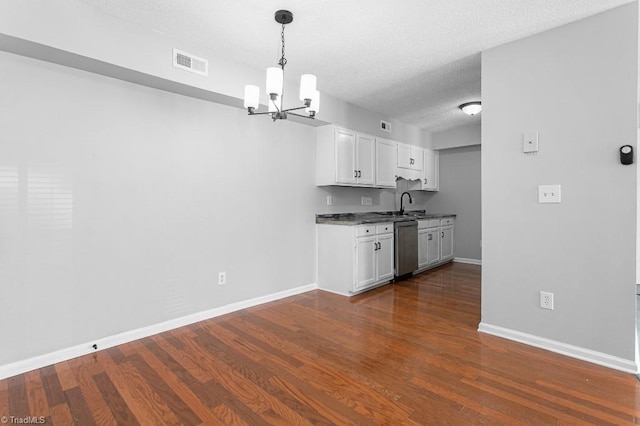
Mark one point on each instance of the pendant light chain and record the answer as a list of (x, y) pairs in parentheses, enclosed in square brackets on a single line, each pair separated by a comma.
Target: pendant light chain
[(283, 60)]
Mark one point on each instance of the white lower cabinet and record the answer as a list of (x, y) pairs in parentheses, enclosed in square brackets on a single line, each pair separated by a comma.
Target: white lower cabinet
[(384, 265), (435, 242), (428, 247), (352, 259), (446, 247), (365, 262)]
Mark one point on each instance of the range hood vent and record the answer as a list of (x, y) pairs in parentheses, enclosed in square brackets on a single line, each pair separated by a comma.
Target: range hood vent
[(189, 62)]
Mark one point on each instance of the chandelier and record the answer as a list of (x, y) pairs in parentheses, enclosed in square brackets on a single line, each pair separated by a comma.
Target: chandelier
[(275, 86)]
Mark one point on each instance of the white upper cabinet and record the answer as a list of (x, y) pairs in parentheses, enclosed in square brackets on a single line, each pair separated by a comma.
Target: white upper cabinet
[(386, 159), (365, 159), (431, 172), (409, 157), (348, 158), (344, 157)]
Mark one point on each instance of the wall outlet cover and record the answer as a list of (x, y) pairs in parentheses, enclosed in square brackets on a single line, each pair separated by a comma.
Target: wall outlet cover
[(546, 300), (549, 194)]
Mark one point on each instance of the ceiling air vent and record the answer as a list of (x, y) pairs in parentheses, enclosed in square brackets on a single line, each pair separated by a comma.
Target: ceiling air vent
[(386, 126), (189, 62)]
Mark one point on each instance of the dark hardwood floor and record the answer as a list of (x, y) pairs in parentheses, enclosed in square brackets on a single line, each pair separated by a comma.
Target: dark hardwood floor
[(406, 353)]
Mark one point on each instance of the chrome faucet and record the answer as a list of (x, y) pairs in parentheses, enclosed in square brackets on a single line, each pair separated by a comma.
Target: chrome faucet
[(401, 198)]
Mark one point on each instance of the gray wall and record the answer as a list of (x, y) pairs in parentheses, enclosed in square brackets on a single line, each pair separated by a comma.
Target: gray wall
[(119, 205), (577, 86), (460, 193)]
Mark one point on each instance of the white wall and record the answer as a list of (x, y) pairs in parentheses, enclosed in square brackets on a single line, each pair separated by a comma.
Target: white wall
[(349, 199), (457, 137), (144, 195), (119, 204), (146, 56), (577, 86)]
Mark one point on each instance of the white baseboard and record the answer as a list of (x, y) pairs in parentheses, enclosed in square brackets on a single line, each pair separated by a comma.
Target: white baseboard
[(339, 293), (19, 367), (584, 354), (469, 261)]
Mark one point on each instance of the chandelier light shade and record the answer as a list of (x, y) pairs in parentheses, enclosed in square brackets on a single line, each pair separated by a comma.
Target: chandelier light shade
[(471, 108), (309, 95), (275, 79), (251, 96), (307, 86)]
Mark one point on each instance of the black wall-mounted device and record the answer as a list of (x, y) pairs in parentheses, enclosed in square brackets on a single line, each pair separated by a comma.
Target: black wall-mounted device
[(626, 154)]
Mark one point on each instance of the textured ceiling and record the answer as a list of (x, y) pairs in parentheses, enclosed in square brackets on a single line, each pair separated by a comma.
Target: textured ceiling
[(412, 60)]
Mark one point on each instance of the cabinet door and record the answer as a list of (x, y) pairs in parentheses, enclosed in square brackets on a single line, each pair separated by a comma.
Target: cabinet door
[(386, 158), (423, 249), (416, 158), (404, 156), (430, 176), (365, 261), (345, 156), (433, 245), (385, 257), (446, 247), (365, 159)]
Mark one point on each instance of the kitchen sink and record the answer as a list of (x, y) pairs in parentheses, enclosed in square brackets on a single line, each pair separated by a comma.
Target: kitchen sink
[(398, 214)]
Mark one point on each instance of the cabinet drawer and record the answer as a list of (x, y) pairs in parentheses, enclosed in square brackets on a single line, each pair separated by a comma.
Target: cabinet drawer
[(428, 223), (365, 230), (447, 221), (384, 228)]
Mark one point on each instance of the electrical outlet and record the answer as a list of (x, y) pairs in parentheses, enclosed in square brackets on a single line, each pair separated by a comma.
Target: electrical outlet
[(329, 200), (549, 193), (222, 278), (546, 300)]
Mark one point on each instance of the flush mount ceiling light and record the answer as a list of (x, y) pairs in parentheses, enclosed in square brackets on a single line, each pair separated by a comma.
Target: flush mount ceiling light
[(275, 82), (471, 108)]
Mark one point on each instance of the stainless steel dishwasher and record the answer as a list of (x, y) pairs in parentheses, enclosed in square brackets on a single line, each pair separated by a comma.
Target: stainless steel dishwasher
[(406, 247)]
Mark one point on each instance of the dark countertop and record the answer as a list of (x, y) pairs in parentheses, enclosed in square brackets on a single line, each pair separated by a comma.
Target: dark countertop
[(376, 217)]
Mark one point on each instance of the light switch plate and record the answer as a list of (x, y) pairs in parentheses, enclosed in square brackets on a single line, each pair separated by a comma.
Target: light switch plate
[(530, 142), (549, 193)]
